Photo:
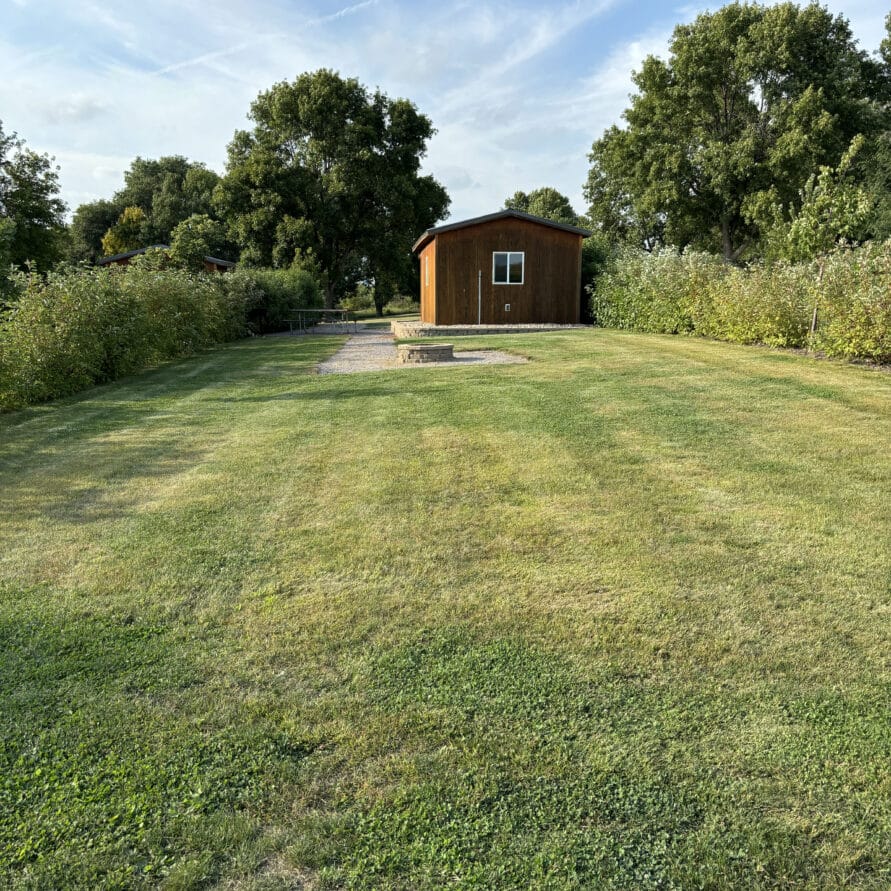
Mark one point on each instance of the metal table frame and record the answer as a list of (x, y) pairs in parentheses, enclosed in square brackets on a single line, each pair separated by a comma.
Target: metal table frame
[(307, 319)]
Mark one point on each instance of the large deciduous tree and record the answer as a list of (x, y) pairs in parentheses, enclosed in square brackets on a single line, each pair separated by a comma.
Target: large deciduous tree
[(751, 102), (31, 211), (885, 47), (166, 190), (169, 190), (330, 174), (832, 209)]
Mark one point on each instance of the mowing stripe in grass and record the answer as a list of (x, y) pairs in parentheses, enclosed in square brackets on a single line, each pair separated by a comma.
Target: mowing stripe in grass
[(618, 617)]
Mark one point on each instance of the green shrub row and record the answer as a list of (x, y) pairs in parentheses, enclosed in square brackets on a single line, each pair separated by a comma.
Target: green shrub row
[(71, 329), (668, 292), (270, 296)]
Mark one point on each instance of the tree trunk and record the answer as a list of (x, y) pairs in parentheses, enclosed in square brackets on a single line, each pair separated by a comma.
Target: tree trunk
[(726, 242), (383, 291)]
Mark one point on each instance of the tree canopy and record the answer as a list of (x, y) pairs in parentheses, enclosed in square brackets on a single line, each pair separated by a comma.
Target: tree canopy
[(752, 101), (545, 202), (832, 209), (169, 190), (127, 233), (166, 191), (31, 211), (198, 237), (329, 174), (873, 164), (89, 225)]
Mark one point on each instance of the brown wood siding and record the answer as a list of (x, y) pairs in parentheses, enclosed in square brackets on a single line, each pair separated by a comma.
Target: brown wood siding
[(428, 291), (551, 281), (216, 267)]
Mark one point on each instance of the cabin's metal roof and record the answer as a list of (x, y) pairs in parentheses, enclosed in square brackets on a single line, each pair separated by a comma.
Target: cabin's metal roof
[(127, 254), (161, 247), (499, 215)]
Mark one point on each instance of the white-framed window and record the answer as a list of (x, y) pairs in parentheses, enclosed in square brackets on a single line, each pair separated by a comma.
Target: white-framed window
[(508, 267)]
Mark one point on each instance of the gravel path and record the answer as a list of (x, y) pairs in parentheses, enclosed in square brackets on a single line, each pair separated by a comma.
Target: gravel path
[(371, 349)]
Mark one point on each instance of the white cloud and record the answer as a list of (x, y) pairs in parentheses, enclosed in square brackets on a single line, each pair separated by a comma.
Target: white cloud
[(604, 94), (512, 136), (74, 108), (96, 175)]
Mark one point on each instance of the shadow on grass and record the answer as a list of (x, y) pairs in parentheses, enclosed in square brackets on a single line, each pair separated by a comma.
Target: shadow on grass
[(109, 777), (74, 498), (139, 427)]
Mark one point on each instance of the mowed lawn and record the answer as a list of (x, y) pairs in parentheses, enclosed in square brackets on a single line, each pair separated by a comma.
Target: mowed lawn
[(617, 618)]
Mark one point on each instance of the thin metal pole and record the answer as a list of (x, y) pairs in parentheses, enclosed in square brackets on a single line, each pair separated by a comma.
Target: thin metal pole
[(479, 298)]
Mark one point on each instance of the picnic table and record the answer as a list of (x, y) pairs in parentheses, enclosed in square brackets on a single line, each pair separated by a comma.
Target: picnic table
[(305, 319)]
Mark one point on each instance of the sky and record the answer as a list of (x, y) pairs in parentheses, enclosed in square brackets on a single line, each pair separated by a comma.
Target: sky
[(516, 91)]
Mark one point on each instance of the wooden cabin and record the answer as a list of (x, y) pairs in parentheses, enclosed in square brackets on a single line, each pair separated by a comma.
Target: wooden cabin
[(211, 264), (504, 268)]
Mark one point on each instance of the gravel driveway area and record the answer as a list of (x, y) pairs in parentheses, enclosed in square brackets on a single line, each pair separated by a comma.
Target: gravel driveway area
[(371, 349)]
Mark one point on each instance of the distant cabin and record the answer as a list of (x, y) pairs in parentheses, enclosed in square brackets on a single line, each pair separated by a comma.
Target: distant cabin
[(504, 268), (211, 264)]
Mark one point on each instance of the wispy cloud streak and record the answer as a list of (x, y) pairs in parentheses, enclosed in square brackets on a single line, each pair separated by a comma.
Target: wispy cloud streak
[(206, 58), (343, 13)]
